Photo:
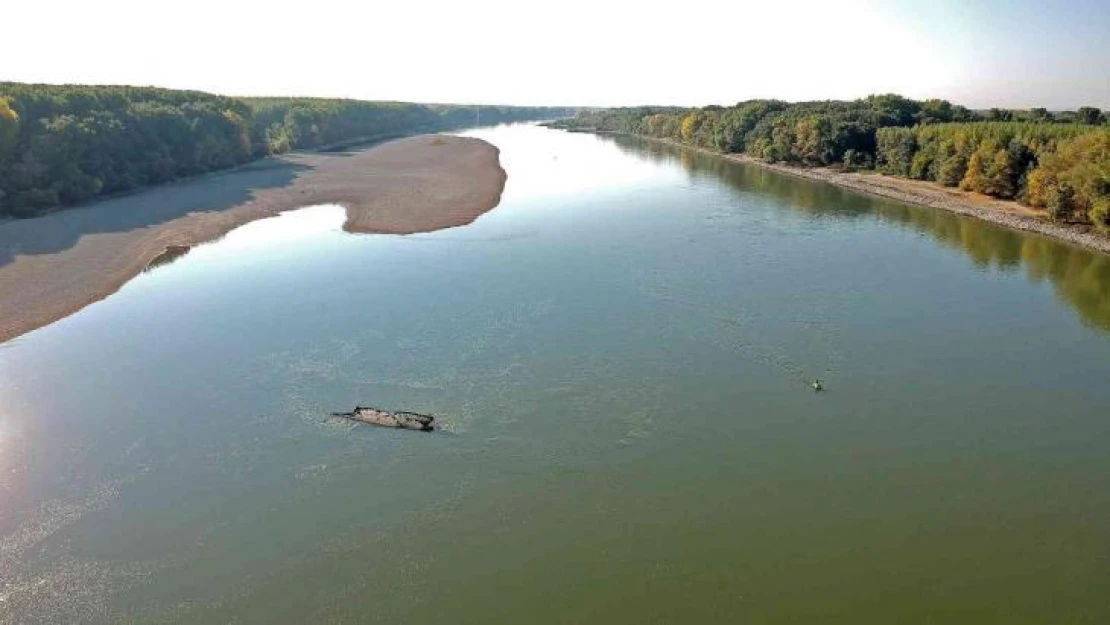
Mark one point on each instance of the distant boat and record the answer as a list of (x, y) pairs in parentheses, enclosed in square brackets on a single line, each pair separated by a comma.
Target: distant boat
[(400, 419), (817, 385)]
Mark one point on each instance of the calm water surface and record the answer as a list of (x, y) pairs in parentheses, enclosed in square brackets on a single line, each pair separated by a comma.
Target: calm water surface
[(620, 353)]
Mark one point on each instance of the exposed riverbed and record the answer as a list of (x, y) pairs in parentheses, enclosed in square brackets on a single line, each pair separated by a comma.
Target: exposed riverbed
[(55, 265)]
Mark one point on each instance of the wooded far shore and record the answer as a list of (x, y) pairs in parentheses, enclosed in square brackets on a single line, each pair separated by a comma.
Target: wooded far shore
[(1056, 163), (63, 145)]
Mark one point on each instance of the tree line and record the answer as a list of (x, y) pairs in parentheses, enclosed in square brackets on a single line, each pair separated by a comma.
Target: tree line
[(61, 145), (1056, 161), (1062, 168)]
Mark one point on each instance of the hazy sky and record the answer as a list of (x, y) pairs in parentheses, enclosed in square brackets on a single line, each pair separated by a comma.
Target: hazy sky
[(1017, 53)]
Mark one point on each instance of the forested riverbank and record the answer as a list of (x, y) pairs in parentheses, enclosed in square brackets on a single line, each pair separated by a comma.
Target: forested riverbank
[(1055, 162), (64, 145)]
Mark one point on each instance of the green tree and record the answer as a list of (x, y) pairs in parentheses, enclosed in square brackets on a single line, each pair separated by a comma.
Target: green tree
[(1000, 175), (1088, 115), (952, 169), (893, 110), (813, 141), (1060, 201), (896, 148), (782, 142), (62, 145), (1040, 115), (999, 115)]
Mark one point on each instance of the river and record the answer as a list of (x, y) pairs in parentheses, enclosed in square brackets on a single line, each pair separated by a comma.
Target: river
[(620, 355)]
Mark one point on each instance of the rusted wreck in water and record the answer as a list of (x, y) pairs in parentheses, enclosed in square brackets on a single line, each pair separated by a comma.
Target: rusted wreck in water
[(400, 419)]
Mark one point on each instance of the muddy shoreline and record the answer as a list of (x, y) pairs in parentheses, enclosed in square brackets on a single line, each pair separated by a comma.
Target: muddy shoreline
[(55, 265)]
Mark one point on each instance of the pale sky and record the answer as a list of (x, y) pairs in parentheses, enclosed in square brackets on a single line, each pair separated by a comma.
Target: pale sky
[(1016, 53)]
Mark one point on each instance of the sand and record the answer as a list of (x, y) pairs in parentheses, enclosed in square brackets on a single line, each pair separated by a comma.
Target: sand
[(53, 266)]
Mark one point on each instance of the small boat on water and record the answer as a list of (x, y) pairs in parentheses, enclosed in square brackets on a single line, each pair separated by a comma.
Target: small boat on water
[(817, 386), (400, 419)]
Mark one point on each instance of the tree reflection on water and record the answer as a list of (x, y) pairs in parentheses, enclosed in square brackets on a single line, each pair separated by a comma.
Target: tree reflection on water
[(1081, 278)]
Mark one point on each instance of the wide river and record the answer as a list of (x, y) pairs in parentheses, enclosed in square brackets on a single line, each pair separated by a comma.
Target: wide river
[(621, 355)]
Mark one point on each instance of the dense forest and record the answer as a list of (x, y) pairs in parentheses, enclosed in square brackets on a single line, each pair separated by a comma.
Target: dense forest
[(62, 145), (1056, 161)]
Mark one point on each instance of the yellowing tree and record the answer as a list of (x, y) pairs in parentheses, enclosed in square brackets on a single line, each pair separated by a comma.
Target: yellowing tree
[(1075, 179), (9, 128), (812, 140), (657, 125), (689, 126), (974, 178)]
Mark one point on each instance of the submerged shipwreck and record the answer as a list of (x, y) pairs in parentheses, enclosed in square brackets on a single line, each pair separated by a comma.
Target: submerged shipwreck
[(400, 419)]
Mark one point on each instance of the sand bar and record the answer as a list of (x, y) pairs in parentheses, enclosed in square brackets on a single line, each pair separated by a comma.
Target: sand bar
[(53, 266)]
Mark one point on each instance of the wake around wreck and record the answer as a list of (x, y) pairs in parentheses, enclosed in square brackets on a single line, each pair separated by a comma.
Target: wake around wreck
[(400, 419)]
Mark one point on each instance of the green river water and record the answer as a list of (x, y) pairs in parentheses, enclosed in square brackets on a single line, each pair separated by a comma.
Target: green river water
[(620, 355)]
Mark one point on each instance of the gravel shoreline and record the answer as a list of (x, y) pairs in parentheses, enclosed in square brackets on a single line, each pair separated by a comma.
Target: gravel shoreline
[(55, 265)]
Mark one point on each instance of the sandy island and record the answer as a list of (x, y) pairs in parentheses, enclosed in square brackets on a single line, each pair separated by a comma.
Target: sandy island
[(53, 266)]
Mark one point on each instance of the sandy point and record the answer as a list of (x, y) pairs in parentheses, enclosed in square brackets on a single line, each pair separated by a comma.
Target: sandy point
[(53, 266)]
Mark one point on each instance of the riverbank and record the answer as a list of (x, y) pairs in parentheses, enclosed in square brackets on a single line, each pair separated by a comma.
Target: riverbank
[(921, 193), (53, 266)]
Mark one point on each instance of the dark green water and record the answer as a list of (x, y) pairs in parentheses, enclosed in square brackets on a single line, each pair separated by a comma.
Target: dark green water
[(620, 353)]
